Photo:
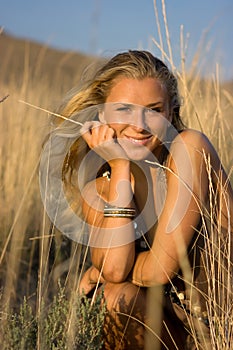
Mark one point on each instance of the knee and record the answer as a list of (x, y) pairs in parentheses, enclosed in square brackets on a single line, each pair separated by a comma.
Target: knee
[(123, 296)]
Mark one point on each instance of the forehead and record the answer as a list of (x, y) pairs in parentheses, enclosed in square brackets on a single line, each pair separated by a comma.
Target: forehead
[(139, 91)]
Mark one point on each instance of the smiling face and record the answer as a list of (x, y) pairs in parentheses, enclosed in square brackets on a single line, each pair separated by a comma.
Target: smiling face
[(138, 112)]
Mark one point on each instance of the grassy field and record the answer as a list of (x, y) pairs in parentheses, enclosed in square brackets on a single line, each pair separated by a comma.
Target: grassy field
[(33, 256)]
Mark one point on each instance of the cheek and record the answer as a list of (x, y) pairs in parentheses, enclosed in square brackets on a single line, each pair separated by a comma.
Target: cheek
[(158, 127)]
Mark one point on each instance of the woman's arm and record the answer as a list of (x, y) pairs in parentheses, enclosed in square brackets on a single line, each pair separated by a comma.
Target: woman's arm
[(111, 238), (187, 192)]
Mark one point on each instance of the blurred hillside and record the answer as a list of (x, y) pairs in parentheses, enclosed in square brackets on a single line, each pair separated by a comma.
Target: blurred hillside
[(40, 76), (19, 56), (26, 62), (23, 61)]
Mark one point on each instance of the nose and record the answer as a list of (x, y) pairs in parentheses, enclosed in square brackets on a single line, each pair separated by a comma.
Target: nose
[(140, 120)]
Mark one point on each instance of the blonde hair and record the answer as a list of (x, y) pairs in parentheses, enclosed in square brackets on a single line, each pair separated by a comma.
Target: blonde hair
[(132, 64)]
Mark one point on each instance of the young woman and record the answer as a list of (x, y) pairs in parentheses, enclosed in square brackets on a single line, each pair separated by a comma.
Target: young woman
[(146, 202)]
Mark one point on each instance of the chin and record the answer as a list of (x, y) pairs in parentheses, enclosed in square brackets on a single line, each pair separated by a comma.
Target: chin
[(138, 154)]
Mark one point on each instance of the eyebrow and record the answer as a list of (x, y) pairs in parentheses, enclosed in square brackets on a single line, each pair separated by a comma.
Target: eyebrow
[(154, 104)]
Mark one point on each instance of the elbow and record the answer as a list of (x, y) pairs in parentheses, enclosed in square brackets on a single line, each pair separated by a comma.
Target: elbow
[(114, 268), (115, 275)]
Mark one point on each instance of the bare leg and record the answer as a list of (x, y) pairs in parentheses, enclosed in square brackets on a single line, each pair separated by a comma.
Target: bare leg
[(129, 326), (124, 327)]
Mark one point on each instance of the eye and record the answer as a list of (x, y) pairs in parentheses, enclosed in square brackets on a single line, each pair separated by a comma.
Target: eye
[(156, 109), (124, 108)]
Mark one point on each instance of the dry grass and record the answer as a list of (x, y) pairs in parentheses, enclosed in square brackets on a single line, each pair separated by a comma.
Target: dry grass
[(32, 255), (26, 239)]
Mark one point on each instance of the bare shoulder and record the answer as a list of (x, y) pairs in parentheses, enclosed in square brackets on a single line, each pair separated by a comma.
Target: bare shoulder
[(192, 149), (195, 138), (196, 143)]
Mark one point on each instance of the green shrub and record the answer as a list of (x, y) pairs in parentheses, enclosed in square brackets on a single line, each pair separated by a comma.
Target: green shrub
[(23, 330)]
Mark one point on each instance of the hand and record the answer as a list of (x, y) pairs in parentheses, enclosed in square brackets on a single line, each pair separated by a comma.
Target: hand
[(89, 280), (101, 139)]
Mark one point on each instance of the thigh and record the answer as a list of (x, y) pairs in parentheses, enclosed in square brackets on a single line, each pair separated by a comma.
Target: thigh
[(137, 317), (124, 326)]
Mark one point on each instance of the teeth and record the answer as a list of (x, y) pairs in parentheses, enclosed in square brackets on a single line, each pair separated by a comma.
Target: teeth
[(138, 140)]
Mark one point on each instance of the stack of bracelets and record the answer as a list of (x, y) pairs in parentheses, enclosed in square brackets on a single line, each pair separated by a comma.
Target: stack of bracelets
[(119, 212)]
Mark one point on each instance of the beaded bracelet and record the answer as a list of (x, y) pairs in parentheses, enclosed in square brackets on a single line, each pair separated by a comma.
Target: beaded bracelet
[(119, 212)]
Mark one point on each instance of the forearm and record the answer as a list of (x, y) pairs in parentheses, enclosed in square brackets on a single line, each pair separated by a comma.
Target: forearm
[(114, 264), (139, 277), (150, 271), (113, 248), (120, 189)]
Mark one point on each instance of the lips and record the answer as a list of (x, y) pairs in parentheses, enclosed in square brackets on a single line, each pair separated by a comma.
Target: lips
[(139, 140)]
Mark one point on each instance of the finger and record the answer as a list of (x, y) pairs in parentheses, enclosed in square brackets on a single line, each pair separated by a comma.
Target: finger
[(100, 134), (89, 126), (104, 132), (88, 132), (110, 134)]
